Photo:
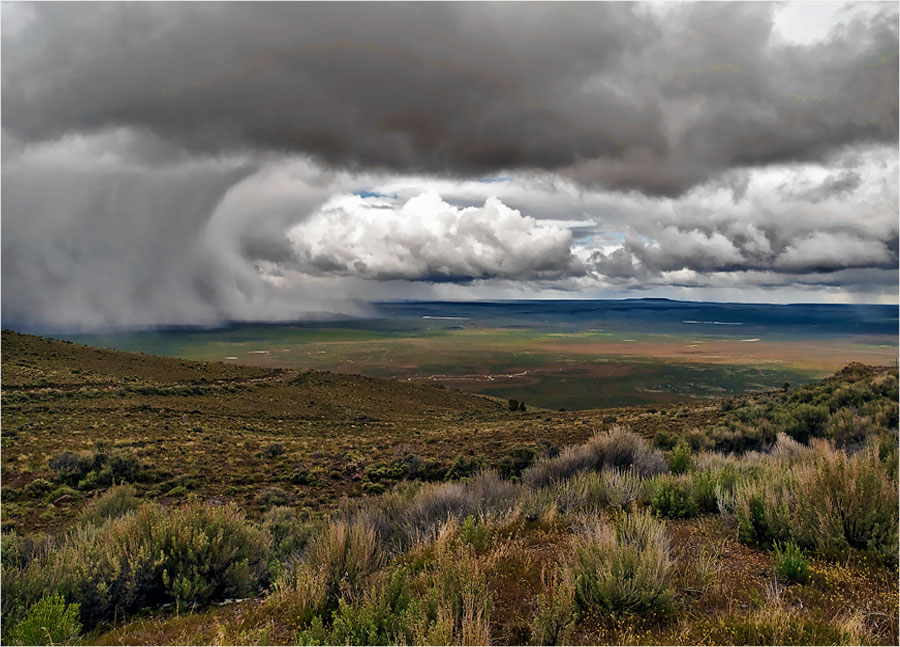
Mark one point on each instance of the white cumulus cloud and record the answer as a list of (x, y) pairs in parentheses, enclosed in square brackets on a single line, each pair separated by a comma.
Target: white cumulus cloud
[(428, 239)]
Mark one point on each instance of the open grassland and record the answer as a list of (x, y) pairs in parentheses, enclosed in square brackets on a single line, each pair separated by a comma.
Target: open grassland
[(572, 370), (140, 493)]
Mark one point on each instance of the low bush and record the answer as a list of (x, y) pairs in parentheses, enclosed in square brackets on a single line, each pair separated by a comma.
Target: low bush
[(617, 448), (272, 451), (303, 476), (474, 533), (49, 621), (761, 514), (379, 619), (833, 504), (444, 601), (790, 563), (623, 567), (461, 467), (680, 460), (594, 491), (803, 422), (455, 605), (554, 617), (114, 503), (272, 496), (492, 495), (147, 557), (433, 505), (673, 497), (739, 437), (39, 487), (845, 427), (335, 565), (515, 461), (71, 467), (290, 531), (423, 469)]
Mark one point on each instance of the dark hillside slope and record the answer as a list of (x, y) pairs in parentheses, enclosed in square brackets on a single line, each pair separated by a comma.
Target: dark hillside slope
[(220, 430)]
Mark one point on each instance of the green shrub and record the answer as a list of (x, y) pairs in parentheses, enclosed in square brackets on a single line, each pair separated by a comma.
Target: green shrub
[(673, 497), (761, 515), (272, 496), (680, 460), (49, 621), (475, 534), (99, 469), (373, 488), (623, 567), (177, 492), (290, 531), (62, 490), (833, 504), (513, 405), (704, 487), (417, 467), (457, 604), (380, 472), (853, 394), (451, 605), (304, 476), (844, 427), (461, 467), (114, 503), (515, 461), (664, 440), (71, 467), (123, 466), (17, 550), (554, 618), (790, 563), (39, 487), (803, 422), (273, 450), (337, 563), (379, 619), (739, 437), (150, 556), (845, 503)]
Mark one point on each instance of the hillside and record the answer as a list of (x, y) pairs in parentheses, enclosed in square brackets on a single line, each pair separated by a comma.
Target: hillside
[(211, 428), (149, 490)]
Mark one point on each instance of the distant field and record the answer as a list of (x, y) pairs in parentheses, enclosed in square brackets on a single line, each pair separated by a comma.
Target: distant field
[(618, 354)]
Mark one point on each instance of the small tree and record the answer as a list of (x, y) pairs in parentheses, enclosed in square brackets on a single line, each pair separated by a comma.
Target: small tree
[(513, 405)]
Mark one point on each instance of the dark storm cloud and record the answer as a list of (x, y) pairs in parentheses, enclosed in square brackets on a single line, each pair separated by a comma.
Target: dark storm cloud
[(613, 94), (196, 162)]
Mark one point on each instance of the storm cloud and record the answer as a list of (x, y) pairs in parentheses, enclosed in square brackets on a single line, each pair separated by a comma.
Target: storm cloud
[(617, 95), (199, 162)]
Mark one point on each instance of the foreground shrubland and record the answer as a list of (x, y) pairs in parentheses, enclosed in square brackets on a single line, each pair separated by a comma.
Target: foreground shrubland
[(780, 527)]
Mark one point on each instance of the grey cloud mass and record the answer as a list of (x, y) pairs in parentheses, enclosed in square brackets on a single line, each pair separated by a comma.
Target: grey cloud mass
[(614, 94), (189, 163)]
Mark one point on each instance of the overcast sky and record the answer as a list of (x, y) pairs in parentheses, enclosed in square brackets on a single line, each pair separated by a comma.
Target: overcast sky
[(195, 163)]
